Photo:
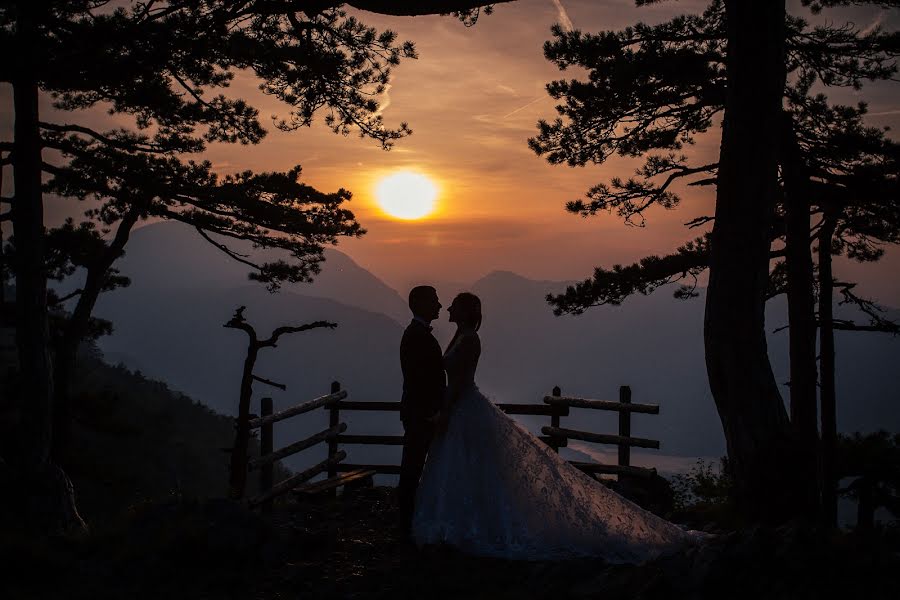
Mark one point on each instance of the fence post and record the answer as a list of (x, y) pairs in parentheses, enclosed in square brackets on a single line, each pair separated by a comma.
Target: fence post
[(333, 420), (554, 419), (625, 426), (266, 446)]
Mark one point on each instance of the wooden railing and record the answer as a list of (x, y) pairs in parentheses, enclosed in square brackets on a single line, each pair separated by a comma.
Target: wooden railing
[(266, 461), (554, 405)]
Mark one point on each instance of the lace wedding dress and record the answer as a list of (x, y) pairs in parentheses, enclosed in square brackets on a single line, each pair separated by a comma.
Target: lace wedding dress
[(491, 488)]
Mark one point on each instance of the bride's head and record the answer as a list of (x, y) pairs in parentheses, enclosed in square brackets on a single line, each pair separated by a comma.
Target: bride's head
[(465, 310)]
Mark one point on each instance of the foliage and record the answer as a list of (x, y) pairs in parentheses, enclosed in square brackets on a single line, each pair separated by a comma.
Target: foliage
[(159, 70), (136, 440), (704, 483), (873, 462), (650, 90)]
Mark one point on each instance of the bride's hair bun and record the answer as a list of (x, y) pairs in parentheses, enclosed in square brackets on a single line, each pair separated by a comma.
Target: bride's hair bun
[(471, 305)]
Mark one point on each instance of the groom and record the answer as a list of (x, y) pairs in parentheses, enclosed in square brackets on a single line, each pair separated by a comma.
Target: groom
[(423, 390)]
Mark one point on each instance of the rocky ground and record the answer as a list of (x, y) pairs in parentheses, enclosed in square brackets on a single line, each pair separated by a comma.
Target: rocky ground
[(347, 547)]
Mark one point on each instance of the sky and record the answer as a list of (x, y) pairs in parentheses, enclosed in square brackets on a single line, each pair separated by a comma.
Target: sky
[(472, 99)]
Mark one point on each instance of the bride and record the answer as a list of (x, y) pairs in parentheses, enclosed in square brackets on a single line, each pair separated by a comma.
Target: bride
[(491, 488)]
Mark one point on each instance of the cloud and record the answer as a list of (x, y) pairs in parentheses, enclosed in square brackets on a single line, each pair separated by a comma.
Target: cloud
[(507, 90), (874, 24), (564, 19), (384, 100)]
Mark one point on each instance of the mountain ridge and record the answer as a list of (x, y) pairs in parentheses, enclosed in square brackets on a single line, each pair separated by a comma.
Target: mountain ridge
[(170, 324)]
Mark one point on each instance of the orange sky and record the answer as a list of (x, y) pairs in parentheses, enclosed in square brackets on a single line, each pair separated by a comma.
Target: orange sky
[(472, 99)]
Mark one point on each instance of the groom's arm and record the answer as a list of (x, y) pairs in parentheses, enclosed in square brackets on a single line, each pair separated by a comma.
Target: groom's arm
[(414, 364)]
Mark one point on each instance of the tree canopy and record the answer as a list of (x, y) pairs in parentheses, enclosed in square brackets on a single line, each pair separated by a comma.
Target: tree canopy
[(785, 154), (161, 72), (652, 89)]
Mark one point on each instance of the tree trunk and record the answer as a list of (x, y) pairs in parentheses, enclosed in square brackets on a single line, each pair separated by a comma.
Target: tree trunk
[(865, 509), (827, 368), (48, 500), (76, 328), (238, 479), (757, 431), (801, 318)]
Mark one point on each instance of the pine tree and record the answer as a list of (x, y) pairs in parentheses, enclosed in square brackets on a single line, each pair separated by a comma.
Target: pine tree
[(163, 67), (654, 88)]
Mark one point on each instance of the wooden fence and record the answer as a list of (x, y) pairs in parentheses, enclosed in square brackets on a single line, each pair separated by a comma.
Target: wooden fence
[(554, 405), (266, 461)]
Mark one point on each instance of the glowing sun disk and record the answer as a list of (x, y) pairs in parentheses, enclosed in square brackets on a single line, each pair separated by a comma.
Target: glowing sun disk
[(406, 195)]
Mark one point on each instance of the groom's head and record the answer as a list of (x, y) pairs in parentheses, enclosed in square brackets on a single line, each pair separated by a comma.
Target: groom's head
[(424, 303)]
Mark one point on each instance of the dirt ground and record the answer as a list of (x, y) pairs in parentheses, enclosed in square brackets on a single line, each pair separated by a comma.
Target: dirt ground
[(348, 547)]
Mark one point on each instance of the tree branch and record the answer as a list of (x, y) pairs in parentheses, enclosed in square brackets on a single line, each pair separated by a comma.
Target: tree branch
[(228, 251), (698, 221), (414, 9), (100, 137), (280, 386), (851, 326), (237, 322), (68, 296), (271, 342), (867, 307)]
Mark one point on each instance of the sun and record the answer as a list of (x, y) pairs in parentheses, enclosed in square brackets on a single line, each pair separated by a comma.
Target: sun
[(406, 195)]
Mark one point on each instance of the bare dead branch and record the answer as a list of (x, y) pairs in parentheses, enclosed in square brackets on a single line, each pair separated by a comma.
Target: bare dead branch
[(68, 296), (272, 341), (274, 384), (237, 322), (699, 221)]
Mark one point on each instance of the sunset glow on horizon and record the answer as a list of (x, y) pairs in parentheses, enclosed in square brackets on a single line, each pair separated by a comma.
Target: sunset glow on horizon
[(473, 98), (406, 195)]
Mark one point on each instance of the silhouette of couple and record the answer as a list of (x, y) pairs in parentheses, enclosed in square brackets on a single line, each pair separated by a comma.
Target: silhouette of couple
[(471, 477)]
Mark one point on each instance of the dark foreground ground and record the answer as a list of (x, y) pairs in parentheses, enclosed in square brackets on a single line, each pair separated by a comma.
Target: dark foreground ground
[(346, 547)]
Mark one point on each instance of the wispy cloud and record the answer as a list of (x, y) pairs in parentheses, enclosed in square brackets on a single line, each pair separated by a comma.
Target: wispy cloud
[(564, 19), (884, 113), (874, 24), (384, 100)]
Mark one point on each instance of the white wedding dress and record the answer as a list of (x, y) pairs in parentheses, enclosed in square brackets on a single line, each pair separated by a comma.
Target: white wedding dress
[(491, 488)]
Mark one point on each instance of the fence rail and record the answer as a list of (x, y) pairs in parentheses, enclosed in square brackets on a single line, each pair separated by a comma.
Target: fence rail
[(298, 410), (554, 406), (569, 402), (296, 447), (297, 479)]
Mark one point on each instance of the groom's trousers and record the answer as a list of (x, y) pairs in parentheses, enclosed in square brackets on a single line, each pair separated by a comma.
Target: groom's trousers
[(416, 440)]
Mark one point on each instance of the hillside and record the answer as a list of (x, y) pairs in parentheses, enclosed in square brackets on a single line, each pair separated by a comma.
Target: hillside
[(137, 441)]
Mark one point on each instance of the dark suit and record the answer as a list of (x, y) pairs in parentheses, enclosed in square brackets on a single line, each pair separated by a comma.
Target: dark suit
[(423, 392)]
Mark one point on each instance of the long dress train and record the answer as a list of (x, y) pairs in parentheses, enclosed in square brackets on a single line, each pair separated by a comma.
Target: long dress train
[(491, 488)]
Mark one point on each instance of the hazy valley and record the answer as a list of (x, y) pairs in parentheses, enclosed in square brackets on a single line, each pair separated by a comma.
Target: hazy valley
[(168, 324)]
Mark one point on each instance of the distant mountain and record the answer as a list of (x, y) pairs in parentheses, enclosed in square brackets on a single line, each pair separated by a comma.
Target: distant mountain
[(179, 337), (173, 256), (169, 323), (655, 345)]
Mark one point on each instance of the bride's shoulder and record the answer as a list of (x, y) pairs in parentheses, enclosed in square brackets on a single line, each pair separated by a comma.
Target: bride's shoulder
[(465, 341)]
